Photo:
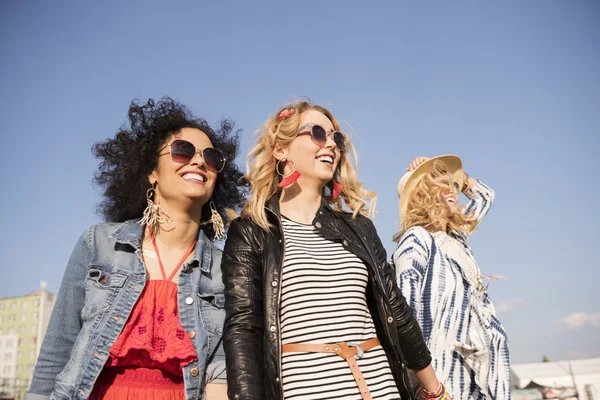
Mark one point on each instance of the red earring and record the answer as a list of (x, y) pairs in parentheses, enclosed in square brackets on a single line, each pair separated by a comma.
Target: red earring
[(336, 191), (291, 178)]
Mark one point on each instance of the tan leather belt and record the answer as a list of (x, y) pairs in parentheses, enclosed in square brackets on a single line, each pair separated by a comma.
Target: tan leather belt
[(349, 351)]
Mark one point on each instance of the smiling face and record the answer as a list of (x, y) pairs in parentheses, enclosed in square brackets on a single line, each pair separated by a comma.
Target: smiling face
[(316, 164), (450, 199), (178, 181), (433, 202)]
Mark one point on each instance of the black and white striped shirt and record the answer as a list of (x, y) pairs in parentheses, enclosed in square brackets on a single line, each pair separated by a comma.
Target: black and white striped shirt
[(323, 301)]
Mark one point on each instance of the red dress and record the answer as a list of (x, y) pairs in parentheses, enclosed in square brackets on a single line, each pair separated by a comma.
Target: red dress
[(146, 360)]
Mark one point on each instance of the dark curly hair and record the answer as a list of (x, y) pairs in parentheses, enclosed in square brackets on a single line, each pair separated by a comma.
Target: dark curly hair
[(129, 157)]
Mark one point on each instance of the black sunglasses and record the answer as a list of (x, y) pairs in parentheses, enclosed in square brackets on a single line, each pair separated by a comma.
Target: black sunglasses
[(319, 135), (183, 151)]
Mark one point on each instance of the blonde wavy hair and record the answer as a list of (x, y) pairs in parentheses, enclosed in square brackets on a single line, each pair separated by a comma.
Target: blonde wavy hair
[(426, 206), (264, 180)]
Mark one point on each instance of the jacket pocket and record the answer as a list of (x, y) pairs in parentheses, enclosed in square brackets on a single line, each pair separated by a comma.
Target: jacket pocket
[(101, 287), (104, 279), (212, 311)]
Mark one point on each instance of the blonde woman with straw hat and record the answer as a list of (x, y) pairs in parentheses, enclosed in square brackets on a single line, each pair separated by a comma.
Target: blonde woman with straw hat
[(438, 275)]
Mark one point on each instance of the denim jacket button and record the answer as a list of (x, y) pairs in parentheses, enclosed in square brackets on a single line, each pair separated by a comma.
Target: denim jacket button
[(345, 243), (318, 225), (277, 380), (194, 371), (272, 328), (274, 283), (189, 300), (191, 334), (390, 320)]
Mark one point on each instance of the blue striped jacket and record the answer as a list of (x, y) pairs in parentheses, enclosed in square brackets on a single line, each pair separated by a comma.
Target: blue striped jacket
[(439, 277)]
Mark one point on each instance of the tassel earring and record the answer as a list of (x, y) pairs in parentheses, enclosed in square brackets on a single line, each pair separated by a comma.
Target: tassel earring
[(337, 190), (291, 178), (154, 215), (216, 221)]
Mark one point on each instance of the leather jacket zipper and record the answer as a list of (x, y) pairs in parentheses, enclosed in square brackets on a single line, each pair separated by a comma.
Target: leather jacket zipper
[(384, 297), (279, 289)]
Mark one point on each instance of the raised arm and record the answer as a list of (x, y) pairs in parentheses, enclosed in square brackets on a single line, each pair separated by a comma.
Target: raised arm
[(243, 329), (480, 197)]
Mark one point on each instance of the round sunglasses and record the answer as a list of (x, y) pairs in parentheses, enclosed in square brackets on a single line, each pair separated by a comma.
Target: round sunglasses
[(319, 135), (183, 151)]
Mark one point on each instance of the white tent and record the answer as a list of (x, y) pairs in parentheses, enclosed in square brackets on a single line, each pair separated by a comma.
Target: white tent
[(560, 378)]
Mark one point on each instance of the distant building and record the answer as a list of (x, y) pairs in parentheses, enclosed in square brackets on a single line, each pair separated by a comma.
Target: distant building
[(576, 379), (23, 324)]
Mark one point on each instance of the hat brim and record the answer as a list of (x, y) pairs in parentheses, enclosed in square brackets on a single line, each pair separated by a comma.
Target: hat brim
[(452, 162)]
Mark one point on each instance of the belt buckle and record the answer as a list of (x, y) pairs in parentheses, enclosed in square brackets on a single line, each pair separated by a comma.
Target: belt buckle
[(361, 352)]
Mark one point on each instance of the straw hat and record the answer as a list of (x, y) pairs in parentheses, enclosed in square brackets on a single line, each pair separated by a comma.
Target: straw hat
[(410, 180)]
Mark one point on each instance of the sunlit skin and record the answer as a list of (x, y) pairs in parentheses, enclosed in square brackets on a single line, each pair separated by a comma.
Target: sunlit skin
[(316, 165), (186, 186), (181, 191), (451, 200), (309, 158)]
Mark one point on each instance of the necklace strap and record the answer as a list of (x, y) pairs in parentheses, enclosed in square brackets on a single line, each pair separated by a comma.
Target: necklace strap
[(162, 268)]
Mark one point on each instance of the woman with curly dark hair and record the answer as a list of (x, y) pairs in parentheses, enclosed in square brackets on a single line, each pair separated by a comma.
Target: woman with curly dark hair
[(139, 313)]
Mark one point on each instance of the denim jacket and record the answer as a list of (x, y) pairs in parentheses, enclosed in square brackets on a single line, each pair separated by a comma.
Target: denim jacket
[(103, 280)]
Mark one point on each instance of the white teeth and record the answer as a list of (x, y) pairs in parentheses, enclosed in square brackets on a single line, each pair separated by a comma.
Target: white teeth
[(327, 159), (191, 176)]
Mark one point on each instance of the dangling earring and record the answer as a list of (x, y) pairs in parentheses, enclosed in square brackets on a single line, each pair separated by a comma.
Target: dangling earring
[(337, 190), (154, 215), (291, 178), (216, 221)]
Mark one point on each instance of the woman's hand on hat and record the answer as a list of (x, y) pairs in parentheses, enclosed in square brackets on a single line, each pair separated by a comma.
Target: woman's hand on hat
[(416, 162)]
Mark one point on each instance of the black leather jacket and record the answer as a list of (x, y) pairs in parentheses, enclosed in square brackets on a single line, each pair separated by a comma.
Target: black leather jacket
[(252, 263)]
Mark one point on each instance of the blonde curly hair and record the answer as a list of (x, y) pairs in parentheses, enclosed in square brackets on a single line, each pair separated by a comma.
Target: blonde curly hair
[(261, 166), (426, 205)]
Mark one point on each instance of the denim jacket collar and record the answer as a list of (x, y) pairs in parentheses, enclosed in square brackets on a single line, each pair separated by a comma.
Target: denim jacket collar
[(130, 232)]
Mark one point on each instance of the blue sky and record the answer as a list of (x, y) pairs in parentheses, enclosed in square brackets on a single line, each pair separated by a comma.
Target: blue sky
[(512, 87)]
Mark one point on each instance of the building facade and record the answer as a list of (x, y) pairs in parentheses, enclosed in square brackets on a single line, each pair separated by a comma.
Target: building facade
[(23, 324)]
